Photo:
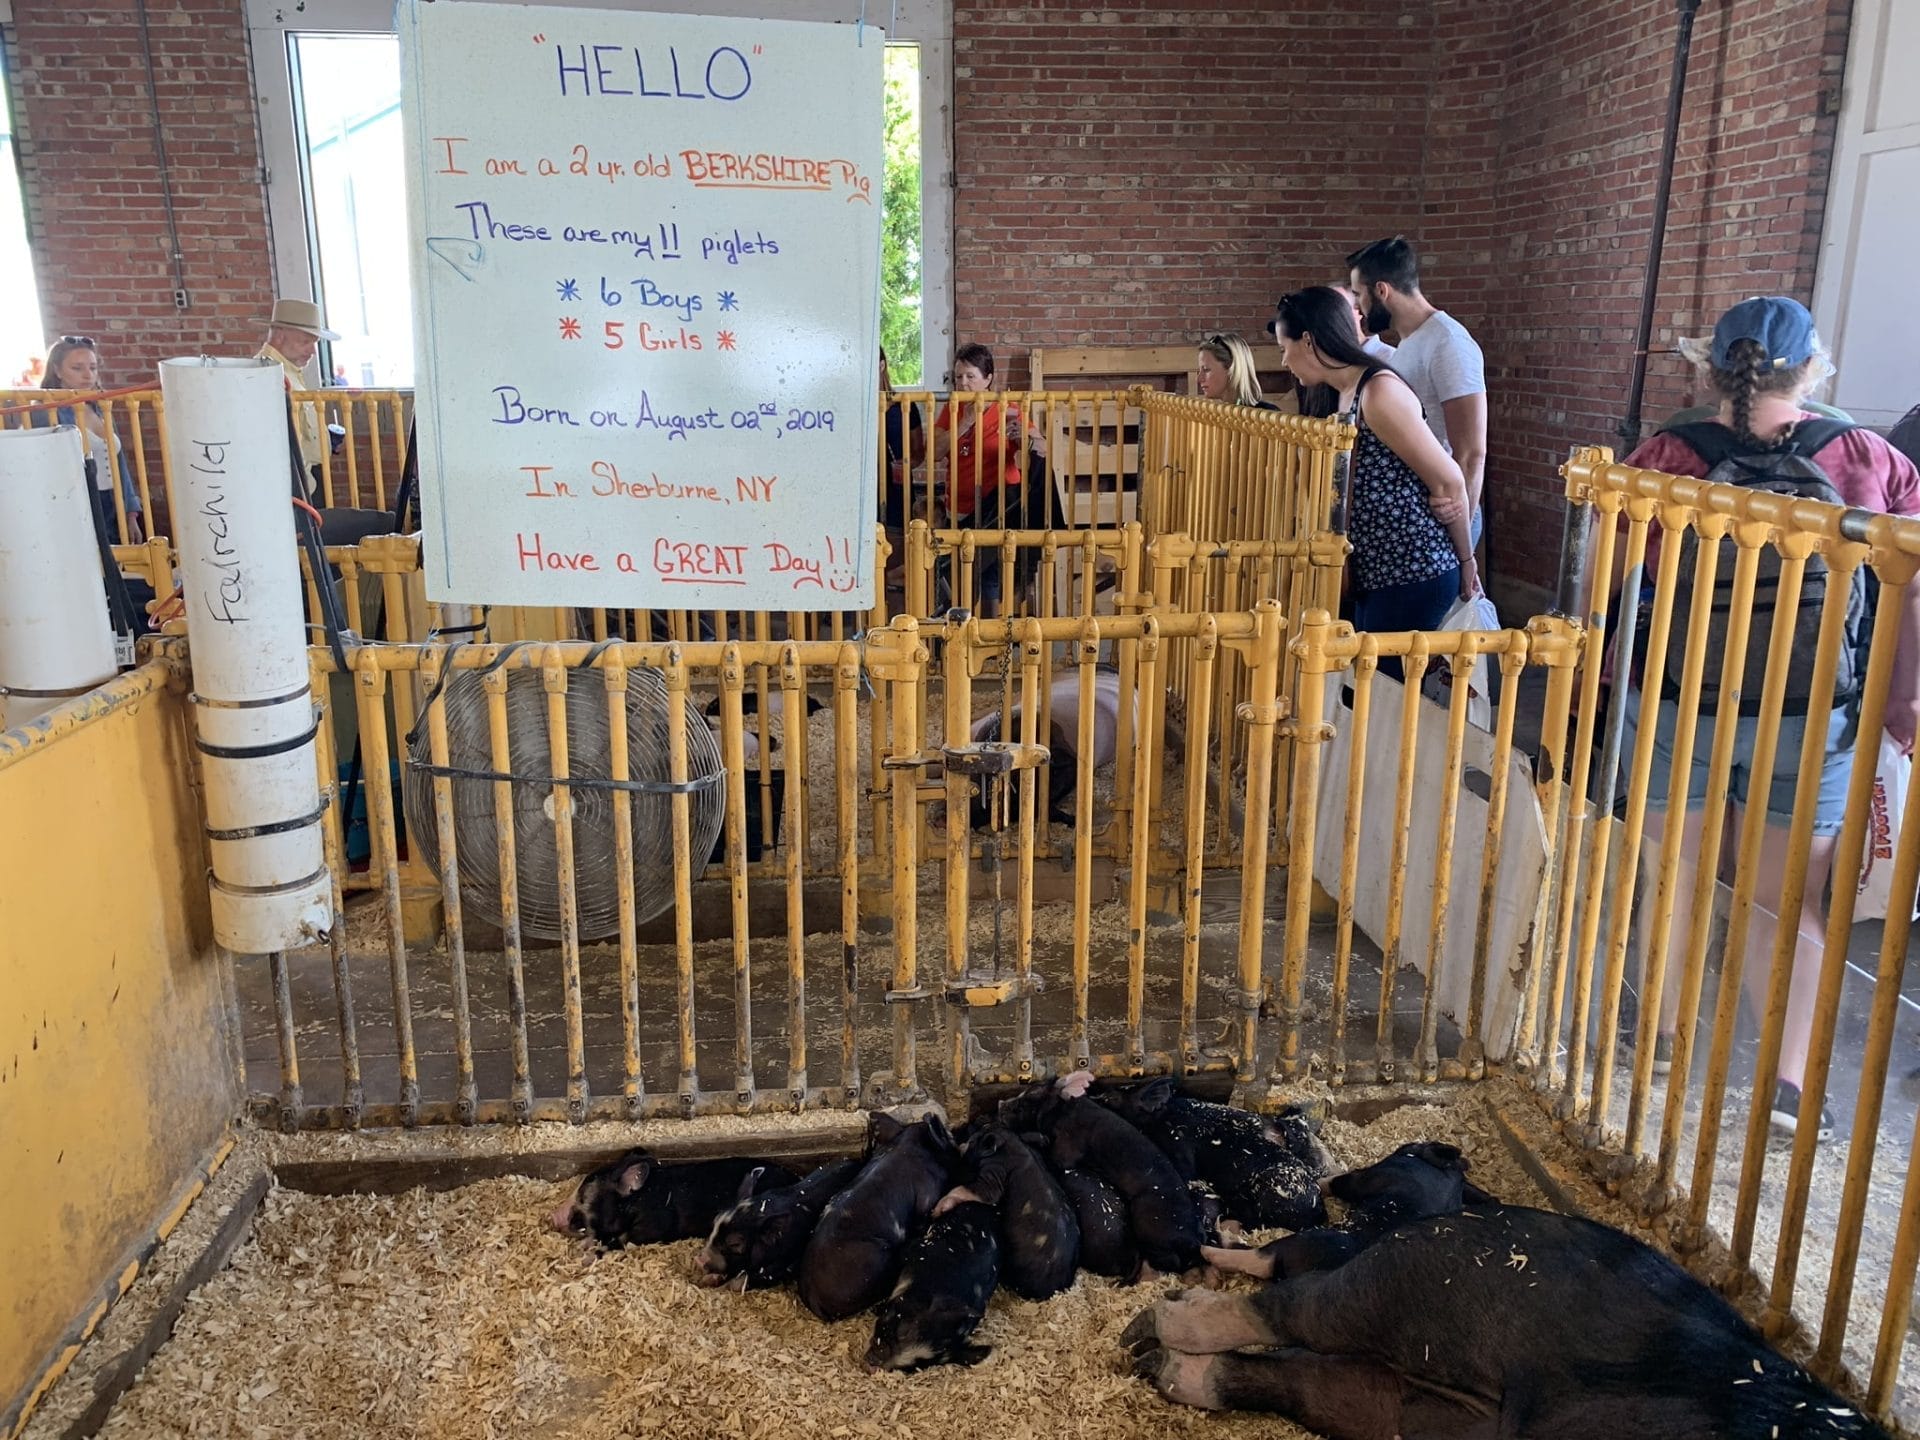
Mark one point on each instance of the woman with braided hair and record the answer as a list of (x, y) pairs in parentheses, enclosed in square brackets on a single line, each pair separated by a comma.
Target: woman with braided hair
[(1763, 361)]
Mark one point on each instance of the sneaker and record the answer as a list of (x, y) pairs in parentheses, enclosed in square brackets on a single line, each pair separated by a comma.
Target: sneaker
[(1662, 1051), (1662, 1054), (1786, 1112)]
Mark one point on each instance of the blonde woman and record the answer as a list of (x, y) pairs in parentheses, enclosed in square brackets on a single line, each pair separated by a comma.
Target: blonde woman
[(1227, 373)]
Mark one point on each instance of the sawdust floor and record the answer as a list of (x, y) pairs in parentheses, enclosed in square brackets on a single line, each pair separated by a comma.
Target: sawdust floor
[(459, 1314)]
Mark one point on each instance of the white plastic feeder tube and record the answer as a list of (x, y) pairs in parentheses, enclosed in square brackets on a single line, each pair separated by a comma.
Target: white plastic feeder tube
[(254, 716), (56, 641)]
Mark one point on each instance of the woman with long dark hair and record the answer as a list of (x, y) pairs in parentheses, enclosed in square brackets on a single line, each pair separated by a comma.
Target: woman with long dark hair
[(1407, 506)]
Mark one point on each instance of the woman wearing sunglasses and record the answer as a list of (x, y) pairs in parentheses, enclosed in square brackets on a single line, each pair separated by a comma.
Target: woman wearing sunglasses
[(74, 364), (1225, 369)]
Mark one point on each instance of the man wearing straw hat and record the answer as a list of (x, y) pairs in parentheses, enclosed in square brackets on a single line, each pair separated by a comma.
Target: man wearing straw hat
[(294, 332)]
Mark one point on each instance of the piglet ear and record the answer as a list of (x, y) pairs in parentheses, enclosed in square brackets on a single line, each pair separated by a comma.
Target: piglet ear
[(750, 1182), (938, 1133), (884, 1129), (1155, 1094), (632, 1174)]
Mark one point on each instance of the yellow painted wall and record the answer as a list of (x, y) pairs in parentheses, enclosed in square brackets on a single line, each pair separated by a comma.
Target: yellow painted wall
[(114, 1078)]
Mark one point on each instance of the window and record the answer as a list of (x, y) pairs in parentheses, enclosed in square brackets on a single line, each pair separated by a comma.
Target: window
[(900, 300), (22, 343), (1872, 214), (336, 187), (346, 100)]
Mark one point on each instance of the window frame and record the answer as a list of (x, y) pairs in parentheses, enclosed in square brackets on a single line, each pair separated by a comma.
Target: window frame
[(1861, 137), (926, 23)]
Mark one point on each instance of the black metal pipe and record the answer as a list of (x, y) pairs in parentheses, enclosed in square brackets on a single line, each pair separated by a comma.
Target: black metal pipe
[(1570, 597), (1656, 243), (181, 300)]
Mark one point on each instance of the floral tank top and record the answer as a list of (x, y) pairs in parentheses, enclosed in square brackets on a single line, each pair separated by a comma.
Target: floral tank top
[(1396, 538)]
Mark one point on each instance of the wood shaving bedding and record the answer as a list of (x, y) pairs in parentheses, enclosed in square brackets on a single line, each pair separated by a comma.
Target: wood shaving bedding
[(130, 1316), (459, 1313)]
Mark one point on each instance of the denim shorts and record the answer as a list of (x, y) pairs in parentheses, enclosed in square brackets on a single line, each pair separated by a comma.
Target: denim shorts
[(1836, 769)]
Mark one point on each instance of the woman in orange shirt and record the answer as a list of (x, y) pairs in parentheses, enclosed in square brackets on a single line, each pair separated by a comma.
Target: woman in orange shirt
[(984, 456)]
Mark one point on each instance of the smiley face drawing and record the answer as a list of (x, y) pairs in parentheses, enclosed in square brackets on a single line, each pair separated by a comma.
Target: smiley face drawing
[(840, 572)]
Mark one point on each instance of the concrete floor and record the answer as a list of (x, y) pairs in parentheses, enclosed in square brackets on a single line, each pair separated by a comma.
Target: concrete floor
[(317, 1026), (1863, 963)]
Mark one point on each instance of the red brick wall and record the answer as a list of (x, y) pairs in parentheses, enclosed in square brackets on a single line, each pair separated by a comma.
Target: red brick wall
[(97, 219), (1585, 91), (1151, 169), (1461, 164)]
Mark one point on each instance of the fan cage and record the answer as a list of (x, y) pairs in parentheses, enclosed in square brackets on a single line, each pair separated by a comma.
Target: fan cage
[(590, 773)]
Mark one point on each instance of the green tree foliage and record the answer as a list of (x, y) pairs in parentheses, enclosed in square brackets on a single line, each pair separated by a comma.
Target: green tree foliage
[(900, 218)]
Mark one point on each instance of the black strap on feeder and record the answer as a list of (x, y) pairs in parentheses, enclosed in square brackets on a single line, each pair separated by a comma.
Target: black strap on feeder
[(331, 613), (403, 501), (128, 622), (584, 782), (260, 752), (581, 782), (64, 693), (272, 827)]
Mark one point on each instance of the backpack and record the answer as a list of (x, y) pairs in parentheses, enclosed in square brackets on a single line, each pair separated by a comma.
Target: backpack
[(1787, 469)]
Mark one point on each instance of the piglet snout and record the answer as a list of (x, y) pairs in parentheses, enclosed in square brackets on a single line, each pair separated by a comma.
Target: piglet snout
[(1076, 1085), (959, 1195), (562, 1217)]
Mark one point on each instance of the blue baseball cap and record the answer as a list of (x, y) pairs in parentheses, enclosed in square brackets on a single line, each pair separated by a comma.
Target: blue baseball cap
[(1779, 323)]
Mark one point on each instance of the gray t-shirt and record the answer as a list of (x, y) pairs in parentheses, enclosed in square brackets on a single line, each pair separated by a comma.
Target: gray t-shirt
[(1441, 362)]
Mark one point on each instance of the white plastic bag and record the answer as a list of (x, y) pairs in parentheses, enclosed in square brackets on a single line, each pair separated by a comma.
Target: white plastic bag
[(1890, 778), (1475, 614)]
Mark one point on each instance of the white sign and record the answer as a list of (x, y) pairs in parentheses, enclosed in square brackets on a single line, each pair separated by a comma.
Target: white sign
[(646, 256), (1518, 880)]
